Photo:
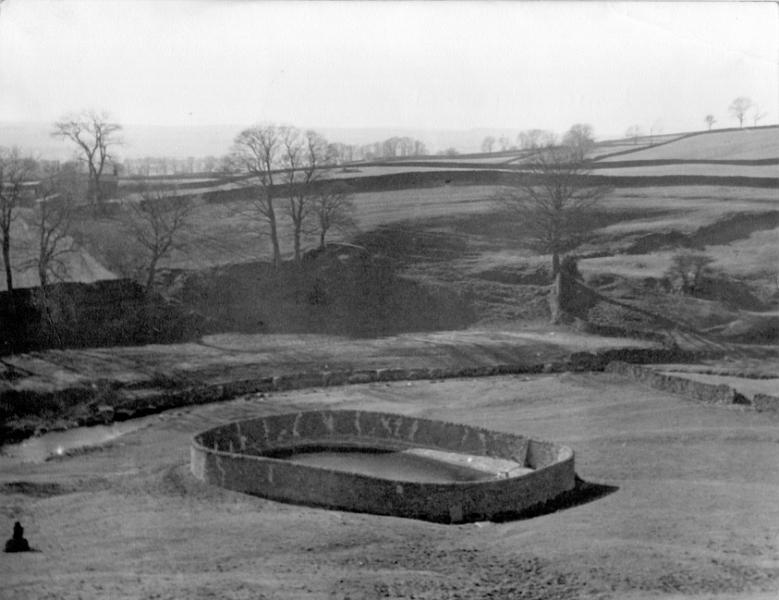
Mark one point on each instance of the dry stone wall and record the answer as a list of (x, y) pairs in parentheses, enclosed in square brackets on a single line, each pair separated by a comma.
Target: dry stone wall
[(697, 390)]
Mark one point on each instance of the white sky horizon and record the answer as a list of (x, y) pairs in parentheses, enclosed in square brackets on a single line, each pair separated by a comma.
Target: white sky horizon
[(384, 65)]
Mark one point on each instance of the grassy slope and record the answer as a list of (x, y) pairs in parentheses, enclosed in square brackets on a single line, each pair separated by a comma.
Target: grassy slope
[(688, 508), (456, 235), (745, 144), (478, 249), (707, 170), (81, 265)]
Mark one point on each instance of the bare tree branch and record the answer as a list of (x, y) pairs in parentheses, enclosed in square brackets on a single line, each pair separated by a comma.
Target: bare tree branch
[(333, 209), (158, 222), (94, 134), (305, 157), (57, 195), (257, 151), (554, 201), (739, 107), (16, 172)]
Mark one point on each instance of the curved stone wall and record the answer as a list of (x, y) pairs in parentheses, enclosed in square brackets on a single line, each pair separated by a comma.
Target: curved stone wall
[(236, 456)]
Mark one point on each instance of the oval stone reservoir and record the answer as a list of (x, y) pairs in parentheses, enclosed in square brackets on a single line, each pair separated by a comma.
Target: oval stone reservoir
[(385, 464)]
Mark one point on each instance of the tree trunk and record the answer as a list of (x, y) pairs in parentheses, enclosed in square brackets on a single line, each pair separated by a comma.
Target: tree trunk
[(322, 234), (297, 242), (15, 336), (150, 280), (296, 214), (555, 299), (274, 235), (555, 264), (9, 279)]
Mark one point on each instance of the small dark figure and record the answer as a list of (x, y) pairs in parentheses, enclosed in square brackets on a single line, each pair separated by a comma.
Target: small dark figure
[(17, 543)]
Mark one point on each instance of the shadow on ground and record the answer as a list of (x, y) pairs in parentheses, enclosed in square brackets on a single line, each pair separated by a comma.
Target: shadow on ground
[(582, 493)]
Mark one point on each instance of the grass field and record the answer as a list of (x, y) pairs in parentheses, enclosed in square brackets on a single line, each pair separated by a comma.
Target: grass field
[(388, 169), (168, 180), (487, 159), (80, 265), (710, 170), (231, 232), (455, 235), (681, 505), (605, 149), (745, 144), (458, 236)]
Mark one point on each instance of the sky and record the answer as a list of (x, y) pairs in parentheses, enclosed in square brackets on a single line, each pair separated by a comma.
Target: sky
[(409, 65)]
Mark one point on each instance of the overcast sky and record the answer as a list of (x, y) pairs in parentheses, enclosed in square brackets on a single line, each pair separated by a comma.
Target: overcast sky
[(456, 65)]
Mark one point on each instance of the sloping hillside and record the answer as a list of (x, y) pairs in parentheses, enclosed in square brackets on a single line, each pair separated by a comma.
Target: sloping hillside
[(741, 144), (78, 265)]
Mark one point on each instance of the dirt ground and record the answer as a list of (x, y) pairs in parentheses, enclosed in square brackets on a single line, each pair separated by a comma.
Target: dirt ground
[(688, 508)]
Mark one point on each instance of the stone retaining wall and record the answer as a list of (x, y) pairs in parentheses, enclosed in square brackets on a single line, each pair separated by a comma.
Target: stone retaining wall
[(104, 402), (697, 390), (765, 403), (234, 456)]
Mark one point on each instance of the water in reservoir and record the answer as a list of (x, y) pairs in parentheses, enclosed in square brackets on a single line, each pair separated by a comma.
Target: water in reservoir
[(57, 443), (387, 464)]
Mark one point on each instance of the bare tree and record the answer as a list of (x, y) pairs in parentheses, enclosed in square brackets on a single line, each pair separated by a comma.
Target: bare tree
[(258, 152), (532, 139), (580, 140), (94, 134), (304, 158), (739, 107), (406, 146), (633, 132), (504, 143), (710, 120), (340, 153), (57, 193), (554, 202), (488, 144), (389, 147), (158, 222), (333, 209), (15, 174), (757, 115)]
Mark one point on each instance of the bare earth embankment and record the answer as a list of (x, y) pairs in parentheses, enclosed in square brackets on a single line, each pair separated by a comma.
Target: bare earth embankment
[(61, 389), (687, 508)]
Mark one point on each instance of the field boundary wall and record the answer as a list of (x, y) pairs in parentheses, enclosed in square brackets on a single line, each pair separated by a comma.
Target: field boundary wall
[(103, 402), (710, 393)]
